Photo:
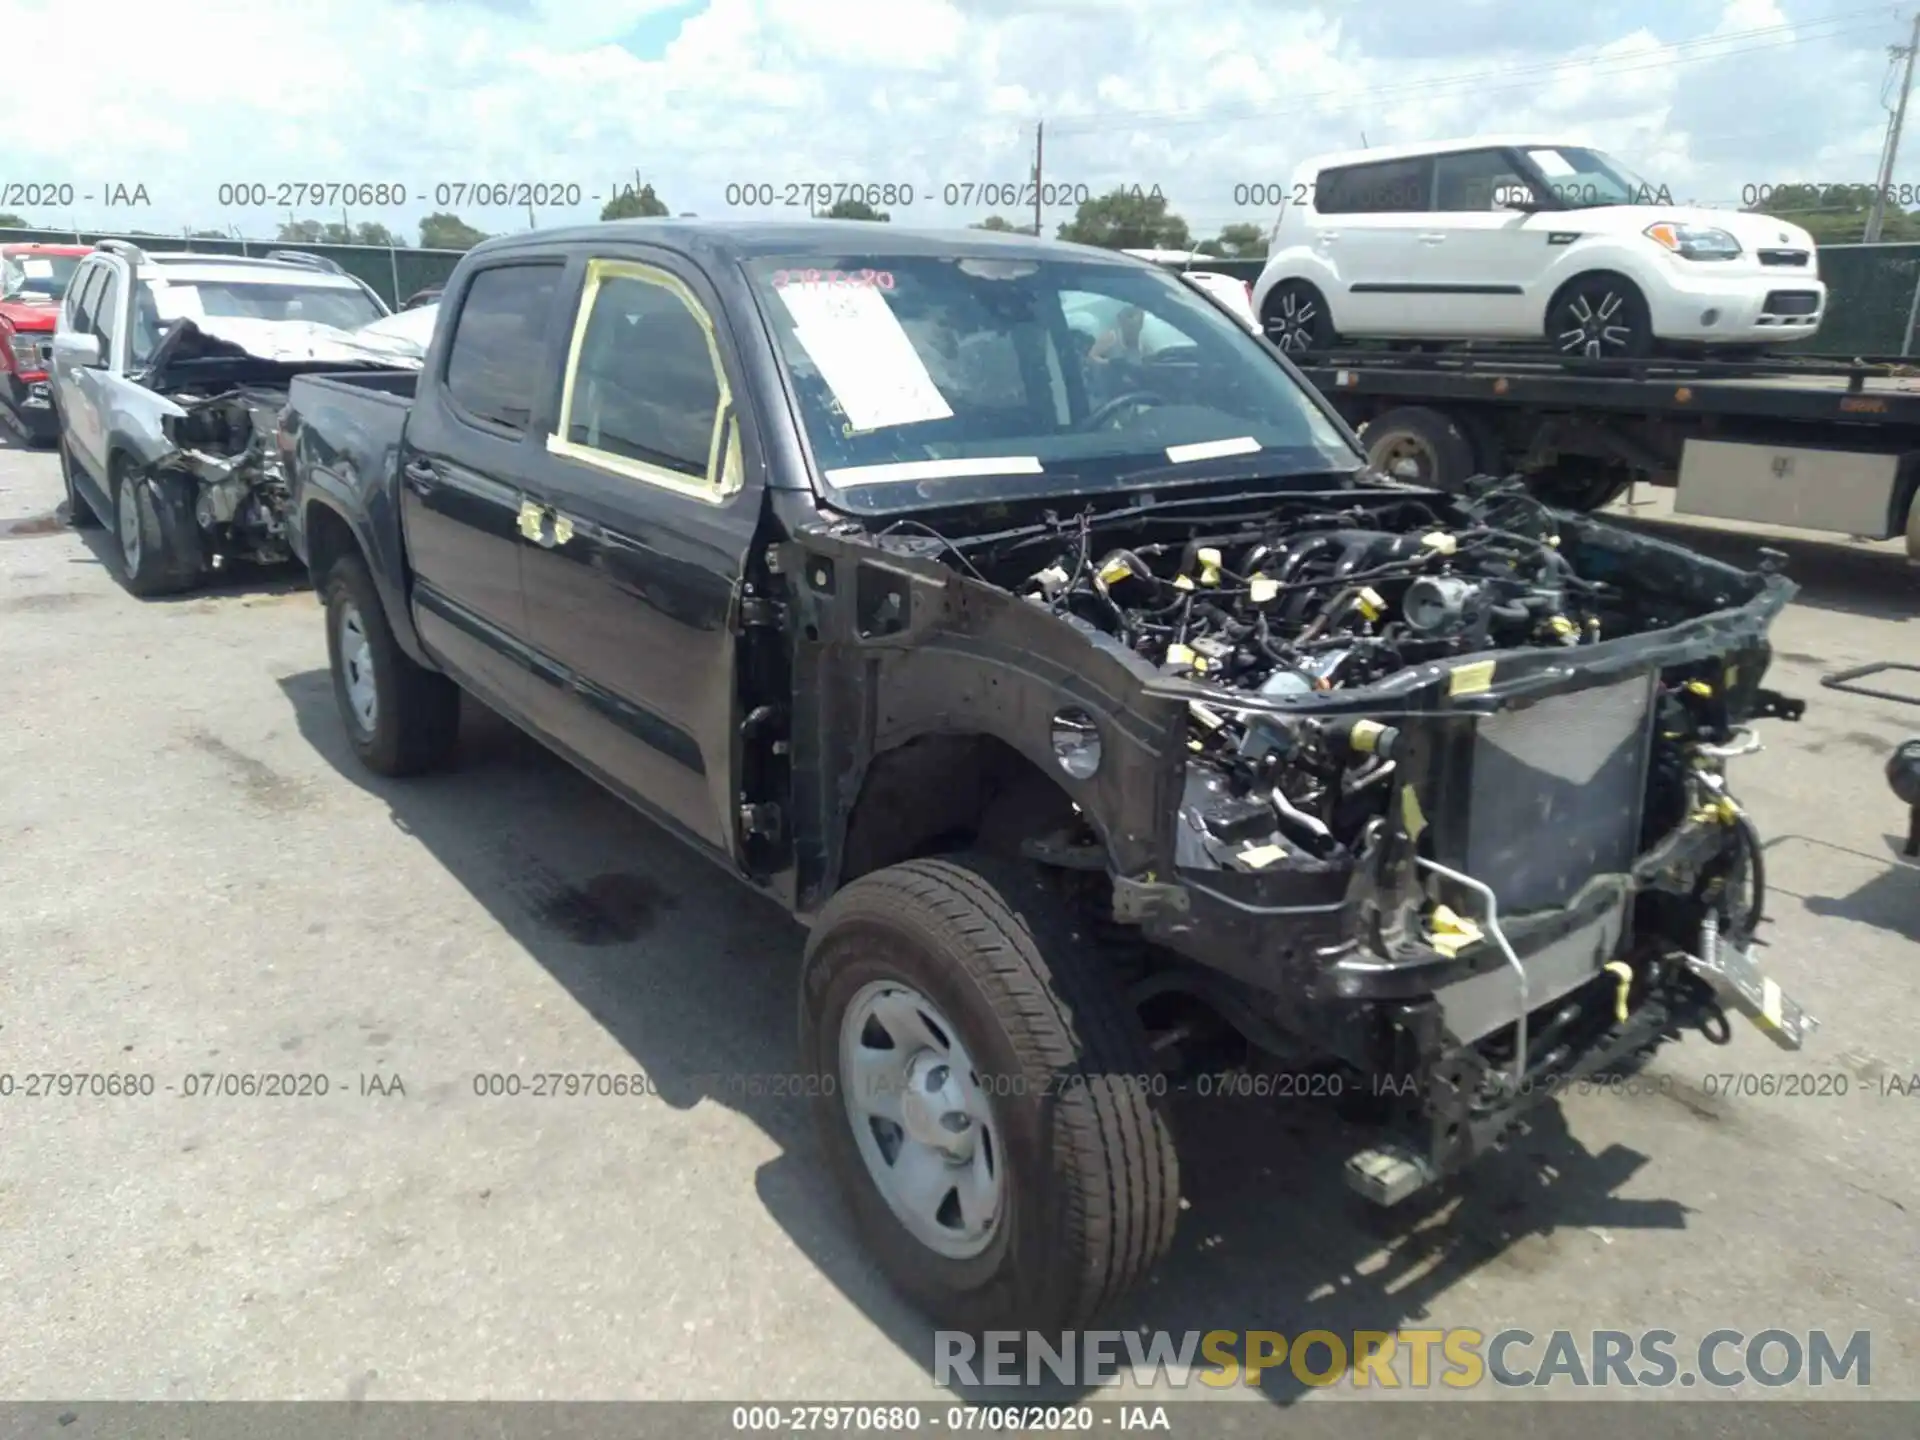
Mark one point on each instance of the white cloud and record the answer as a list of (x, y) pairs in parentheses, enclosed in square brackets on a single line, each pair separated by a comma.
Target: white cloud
[(423, 92)]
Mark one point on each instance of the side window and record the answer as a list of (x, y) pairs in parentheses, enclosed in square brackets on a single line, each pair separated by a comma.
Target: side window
[(106, 314), (80, 299), (1476, 180), (645, 391), (496, 363), (1391, 187)]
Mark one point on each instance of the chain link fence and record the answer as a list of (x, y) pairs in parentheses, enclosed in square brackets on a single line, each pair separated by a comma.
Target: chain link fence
[(394, 273)]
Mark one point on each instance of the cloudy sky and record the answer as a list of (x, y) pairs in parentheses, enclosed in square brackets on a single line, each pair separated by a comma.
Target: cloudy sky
[(1707, 97)]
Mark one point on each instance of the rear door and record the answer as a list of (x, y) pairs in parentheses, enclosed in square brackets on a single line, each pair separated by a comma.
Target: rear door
[(649, 517), (463, 505), (1373, 220)]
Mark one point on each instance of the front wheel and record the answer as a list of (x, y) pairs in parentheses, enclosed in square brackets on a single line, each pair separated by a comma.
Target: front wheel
[(1600, 317), (159, 546), (401, 718), (986, 1098)]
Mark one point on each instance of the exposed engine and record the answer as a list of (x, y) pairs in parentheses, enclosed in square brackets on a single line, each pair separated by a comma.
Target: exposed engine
[(1305, 600), (226, 445)]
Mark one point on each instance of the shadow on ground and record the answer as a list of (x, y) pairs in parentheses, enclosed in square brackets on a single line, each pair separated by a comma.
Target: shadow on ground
[(695, 976)]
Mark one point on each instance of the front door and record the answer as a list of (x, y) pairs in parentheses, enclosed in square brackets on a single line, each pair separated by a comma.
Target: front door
[(649, 517), (462, 505), (1488, 252)]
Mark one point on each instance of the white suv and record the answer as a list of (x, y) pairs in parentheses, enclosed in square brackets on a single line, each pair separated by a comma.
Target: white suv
[(1515, 239)]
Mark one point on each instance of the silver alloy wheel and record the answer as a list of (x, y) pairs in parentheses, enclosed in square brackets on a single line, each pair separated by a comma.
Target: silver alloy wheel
[(921, 1120), (356, 667), (1596, 331), (126, 504), (1290, 323)]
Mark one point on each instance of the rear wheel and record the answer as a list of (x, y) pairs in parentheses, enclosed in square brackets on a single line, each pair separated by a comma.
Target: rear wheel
[(1420, 447), (986, 1099), (1295, 318), (1600, 317), (401, 718), (79, 511)]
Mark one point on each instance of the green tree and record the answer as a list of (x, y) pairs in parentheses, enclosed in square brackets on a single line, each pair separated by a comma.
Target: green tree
[(996, 222), (634, 202), (1240, 241), (208, 235), (444, 231), (304, 232), (11, 221), (1835, 215), (851, 209), (1128, 219)]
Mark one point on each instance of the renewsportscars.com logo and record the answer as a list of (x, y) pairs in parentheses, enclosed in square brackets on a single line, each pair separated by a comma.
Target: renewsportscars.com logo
[(1456, 1359)]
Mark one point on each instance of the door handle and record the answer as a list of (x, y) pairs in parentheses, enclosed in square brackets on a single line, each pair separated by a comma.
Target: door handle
[(1432, 238), (543, 525), (420, 476)]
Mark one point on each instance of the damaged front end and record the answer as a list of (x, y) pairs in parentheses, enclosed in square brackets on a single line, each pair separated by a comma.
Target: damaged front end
[(224, 447), (1451, 811)]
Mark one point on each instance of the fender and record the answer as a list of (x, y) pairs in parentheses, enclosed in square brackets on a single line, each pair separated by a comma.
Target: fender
[(366, 506)]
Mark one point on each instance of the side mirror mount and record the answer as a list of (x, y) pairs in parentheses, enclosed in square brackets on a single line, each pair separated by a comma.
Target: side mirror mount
[(79, 349)]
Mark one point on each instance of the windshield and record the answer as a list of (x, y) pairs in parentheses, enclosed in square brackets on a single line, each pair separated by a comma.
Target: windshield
[(161, 302), (939, 379), (1581, 179), (37, 277)]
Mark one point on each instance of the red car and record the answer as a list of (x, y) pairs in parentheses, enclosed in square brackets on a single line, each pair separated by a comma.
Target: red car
[(33, 279)]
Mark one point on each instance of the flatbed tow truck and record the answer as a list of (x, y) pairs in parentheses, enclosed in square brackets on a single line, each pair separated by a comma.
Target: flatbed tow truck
[(1811, 442)]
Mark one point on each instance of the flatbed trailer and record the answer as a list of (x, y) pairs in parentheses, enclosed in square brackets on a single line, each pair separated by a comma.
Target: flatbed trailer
[(1812, 442)]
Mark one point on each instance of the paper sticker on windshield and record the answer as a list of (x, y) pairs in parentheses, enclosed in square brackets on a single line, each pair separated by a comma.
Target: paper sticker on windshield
[(37, 267), (1212, 449), (1552, 162), (864, 355), (904, 471)]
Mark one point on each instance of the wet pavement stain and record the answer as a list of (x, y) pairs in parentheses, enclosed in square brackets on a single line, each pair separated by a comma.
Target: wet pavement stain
[(263, 785), (53, 600), (610, 909), (47, 524)]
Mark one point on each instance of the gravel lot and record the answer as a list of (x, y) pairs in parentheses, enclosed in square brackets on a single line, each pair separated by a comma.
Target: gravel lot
[(195, 877)]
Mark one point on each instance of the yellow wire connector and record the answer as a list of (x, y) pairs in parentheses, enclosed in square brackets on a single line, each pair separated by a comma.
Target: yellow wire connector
[(1622, 972), (1451, 932), (1440, 542), (1369, 603), (1365, 735), (1262, 589), (1209, 566)]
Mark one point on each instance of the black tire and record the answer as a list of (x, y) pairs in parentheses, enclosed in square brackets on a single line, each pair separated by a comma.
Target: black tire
[(1441, 451), (1090, 1177), (1600, 316), (79, 510), (416, 712), (163, 556), (1295, 318)]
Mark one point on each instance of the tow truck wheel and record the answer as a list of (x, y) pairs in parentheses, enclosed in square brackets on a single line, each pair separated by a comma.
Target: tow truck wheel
[(401, 719), (157, 542), (985, 1096), (1421, 447), (79, 513)]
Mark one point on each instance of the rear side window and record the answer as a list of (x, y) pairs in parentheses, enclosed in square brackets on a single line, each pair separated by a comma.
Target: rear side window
[(106, 313), (497, 359), (1386, 188)]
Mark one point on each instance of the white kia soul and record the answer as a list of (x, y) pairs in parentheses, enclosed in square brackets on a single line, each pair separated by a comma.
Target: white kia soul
[(1524, 240)]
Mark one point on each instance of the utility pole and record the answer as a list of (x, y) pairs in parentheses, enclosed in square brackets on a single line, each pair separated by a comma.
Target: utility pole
[(1039, 148), (1877, 216)]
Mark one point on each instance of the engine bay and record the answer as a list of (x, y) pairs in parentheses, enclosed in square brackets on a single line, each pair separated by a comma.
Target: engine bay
[(1327, 597), (226, 444)]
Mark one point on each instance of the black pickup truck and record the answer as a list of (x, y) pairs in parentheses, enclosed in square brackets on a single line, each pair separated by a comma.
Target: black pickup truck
[(1042, 641)]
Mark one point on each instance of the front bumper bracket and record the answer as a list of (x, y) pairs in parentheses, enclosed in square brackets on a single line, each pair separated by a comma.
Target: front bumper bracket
[(1737, 979)]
